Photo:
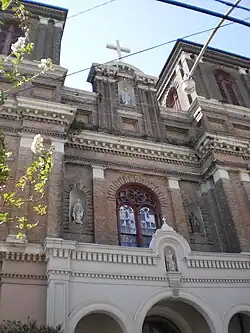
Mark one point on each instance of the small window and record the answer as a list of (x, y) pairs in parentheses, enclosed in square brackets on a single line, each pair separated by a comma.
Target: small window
[(227, 87), (173, 99), (137, 216)]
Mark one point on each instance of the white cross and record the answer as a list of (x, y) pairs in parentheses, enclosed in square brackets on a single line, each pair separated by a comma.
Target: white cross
[(164, 220), (118, 48)]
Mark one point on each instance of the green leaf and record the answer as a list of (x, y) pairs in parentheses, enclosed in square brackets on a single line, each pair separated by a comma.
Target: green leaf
[(5, 4), (3, 218)]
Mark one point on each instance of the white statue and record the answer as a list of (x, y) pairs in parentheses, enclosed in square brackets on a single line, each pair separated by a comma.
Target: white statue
[(78, 212), (126, 97), (170, 262)]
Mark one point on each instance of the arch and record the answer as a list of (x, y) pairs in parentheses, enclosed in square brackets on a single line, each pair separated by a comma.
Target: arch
[(170, 239), (239, 308), (100, 306), (132, 179), (212, 318), (172, 99), (172, 315)]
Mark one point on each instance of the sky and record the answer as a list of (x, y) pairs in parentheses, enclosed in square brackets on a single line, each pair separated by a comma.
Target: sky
[(140, 24)]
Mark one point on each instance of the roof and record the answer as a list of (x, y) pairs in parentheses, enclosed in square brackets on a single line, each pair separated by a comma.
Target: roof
[(46, 5)]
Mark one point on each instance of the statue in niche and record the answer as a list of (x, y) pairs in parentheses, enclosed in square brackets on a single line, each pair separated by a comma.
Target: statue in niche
[(126, 97), (170, 262), (78, 212), (195, 223)]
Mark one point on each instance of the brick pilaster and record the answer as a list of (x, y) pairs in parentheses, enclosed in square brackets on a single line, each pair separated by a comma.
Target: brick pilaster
[(180, 223), (229, 211), (55, 195), (105, 232)]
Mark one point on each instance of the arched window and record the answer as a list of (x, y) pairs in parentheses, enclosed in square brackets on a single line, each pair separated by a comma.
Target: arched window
[(227, 87), (173, 99), (137, 216)]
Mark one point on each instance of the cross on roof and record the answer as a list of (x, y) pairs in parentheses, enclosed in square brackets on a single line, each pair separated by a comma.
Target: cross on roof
[(118, 48)]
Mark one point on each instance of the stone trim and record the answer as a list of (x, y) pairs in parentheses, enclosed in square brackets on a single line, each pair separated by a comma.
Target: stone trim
[(135, 148), (138, 180), (218, 264), (23, 276), (19, 256), (107, 257), (118, 165), (215, 280), (164, 279)]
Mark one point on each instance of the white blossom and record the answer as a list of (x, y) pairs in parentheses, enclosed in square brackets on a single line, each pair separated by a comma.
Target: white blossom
[(45, 64), (18, 44), (37, 144)]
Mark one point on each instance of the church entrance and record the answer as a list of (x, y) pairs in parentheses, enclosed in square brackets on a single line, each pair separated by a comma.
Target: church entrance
[(175, 316), (96, 322), (155, 324), (240, 323)]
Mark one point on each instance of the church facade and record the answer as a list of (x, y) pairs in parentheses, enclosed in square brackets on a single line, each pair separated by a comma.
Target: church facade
[(148, 225)]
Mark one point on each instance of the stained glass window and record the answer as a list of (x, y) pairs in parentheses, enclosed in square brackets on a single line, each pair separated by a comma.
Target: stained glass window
[(137, 216)]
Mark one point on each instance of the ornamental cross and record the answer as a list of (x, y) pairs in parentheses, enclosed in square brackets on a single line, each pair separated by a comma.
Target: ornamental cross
[(164, 220), (118, 48)]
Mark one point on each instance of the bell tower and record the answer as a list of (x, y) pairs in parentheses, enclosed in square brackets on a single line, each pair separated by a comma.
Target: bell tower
[(46, 26)]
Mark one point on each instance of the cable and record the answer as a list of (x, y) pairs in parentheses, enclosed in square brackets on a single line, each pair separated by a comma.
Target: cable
[(231, 5), (90, 9), (130, 55)]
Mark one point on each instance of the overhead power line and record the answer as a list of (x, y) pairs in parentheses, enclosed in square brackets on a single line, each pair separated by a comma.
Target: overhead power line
[(90, 9), (231, 5), (205, 11), (132, 54)]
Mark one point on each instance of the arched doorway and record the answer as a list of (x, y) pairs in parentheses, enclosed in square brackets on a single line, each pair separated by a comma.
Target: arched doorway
[(95, 322), (239, 323), (174, 316), (157, 324)]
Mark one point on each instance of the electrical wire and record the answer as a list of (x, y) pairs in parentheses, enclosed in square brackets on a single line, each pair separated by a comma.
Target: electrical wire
[(90, 9), (232, 5), (129, 55)]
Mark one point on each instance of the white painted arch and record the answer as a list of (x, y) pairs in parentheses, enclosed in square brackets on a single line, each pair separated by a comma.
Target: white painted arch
[(102, 307), (212, 318), (239, 308), (172, 315)]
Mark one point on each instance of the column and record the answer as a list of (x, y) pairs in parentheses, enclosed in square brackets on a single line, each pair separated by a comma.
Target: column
[(229, 211), (58, 253), (180, 222), (23, 159), (105, 224), (99, 204), (40, 42), (57, 42), (55, 191)]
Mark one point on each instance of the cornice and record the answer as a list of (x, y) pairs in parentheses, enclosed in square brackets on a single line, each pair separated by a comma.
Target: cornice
[(21, 276), (214, 281), (46, 10), (82, 160), (135, 148), (233, 111), (227, 145), (39, 110), (30, 67), (116, 71), (145, 278)]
